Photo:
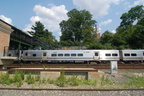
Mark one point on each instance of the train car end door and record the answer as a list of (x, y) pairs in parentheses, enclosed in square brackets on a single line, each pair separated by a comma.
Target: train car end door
[(96, 56)]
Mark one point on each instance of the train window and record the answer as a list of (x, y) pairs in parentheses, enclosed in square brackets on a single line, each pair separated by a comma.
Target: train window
[(26, 54), (73, 54), (114, 54), (107, 54), (9, 54), (67, 54), (53, 55), (80, 54), (96, 54), (133, 54), (126, 54), (34, 55), (60, 54), (44, 54)]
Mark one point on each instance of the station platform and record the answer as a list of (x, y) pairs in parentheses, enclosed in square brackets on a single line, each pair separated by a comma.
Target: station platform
[(7, 60)]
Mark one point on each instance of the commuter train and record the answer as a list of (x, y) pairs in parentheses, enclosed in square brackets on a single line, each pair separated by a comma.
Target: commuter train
[(79, 55)]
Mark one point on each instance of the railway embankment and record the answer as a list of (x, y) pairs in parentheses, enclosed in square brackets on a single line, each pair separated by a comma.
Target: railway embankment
[(126, 82), (85, 79)]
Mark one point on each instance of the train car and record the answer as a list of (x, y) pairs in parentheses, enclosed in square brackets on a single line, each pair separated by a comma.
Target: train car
[(60, 55), (70, 55), (34, 55), (132, 55), (109, 55), (80, 55)]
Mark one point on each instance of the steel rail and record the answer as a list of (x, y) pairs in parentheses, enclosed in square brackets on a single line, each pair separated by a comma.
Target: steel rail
[(50, 70), (68, 89), (96, 67)]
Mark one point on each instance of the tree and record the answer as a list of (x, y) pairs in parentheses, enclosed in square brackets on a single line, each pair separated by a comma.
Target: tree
[(43, 34), (136, 40), (38, 30), (79, 27), (135, 14), (106, 37), (130, 32)]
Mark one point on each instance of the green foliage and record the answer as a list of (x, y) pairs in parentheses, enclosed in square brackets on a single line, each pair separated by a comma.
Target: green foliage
[(106, 37), (37, 78), (130, 32), (43, 34), (74, 81), (129, 35), (5, 79), (44, 80), (106, 81), (50, 81), (30, 79), (79, 27), (18, 78), (136, 81), (61, 80)]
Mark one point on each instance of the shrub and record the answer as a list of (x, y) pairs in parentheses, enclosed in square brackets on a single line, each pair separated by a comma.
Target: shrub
[(105, 81), (136, 81), (18, 77), (61, 80), (5, 79), (30, 79), (44, 80), (74, 81)]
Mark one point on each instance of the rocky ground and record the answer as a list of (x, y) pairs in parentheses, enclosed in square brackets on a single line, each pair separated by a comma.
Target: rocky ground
[(70, 93)]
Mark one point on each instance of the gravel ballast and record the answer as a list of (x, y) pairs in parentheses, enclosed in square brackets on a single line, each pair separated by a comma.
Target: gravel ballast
[(70, 93)]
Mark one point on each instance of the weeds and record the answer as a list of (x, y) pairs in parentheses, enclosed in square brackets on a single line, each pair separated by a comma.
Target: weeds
[(18, 78), (90, 82), (44, 81), (5, 79), (74, 81), (61, 80), (30, 79), (106, 81), (136, 81)]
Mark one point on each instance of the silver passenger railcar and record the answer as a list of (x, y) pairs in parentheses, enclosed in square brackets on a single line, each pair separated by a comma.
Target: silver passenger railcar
[(70, 55), (80, 55), (132, 55)]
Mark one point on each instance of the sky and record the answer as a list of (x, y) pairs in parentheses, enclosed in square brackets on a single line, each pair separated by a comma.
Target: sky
[(24, 13)]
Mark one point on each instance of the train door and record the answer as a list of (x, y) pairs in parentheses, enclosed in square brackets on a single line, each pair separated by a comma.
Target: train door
[(96, 55), (44, 55), (143, 55)]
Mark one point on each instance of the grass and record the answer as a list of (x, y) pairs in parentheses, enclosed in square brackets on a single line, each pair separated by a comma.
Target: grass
[(5, 79), (19, 78), (136, 81), (61, 80), (106, 81)]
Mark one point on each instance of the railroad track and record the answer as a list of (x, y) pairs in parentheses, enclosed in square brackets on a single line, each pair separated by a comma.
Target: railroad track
[(69, 89), (96, 66)]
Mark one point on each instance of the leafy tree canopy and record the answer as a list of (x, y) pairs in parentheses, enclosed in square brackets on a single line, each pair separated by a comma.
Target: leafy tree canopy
[(79, 27), (43, 34)]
